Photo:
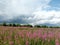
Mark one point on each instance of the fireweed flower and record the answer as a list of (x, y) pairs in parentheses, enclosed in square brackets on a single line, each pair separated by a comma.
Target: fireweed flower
[(11, 43), (58, 35), (50, 35), (57, 42), (27, 43), (44, 36), (39, 34), (21, 34), (34, 35), (28, 34)]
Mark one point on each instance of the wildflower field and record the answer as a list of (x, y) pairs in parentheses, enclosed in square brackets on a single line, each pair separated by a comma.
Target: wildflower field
[(29, 36)]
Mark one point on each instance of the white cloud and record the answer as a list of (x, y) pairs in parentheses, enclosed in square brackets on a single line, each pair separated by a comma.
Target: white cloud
[(22, 6), (43, 16), (13, 8)]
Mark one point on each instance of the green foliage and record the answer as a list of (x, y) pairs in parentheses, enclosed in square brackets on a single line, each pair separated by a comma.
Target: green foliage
[(50, 27), (4, 24), (27, 25), (18, 25), (14, 25), (43, 26), (54, 27), (10, 24), (37, 26)]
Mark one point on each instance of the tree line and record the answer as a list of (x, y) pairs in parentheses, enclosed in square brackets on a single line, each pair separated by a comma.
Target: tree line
[(27, 25), (15, 24)]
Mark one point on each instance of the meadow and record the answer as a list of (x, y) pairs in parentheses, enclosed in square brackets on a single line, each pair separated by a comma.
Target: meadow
[(29, 36)]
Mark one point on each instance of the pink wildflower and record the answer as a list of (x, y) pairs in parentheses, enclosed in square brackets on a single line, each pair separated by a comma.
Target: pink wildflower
[(44, 36), (11, 43), (27, 43), (57, 42), (34, 34)]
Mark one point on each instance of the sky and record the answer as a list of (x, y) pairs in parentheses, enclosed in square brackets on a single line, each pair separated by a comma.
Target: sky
[(30, 11)]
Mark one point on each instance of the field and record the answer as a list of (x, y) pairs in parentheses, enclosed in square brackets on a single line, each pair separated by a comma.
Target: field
[(29, 36)]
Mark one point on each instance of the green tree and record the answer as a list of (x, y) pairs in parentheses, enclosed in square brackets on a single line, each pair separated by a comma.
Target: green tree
[(18, 25), (44, 26), (10, 24), (14, 25), (4, 24), (37, 26)]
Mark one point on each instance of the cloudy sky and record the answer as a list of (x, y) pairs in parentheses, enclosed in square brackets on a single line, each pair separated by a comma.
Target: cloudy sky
[(30, 11)]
